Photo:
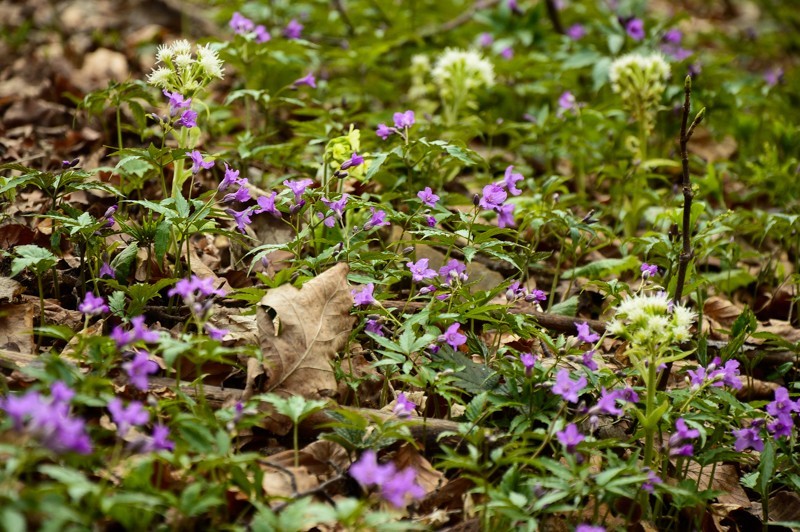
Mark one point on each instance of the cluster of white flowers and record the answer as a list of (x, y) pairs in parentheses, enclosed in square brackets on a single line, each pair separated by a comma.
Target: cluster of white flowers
[(652, 320), (458, 74), (640, 80), (182, 72), (466, 67)]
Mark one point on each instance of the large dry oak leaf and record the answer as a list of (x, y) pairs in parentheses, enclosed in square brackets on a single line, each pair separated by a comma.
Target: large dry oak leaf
[(302, 330)]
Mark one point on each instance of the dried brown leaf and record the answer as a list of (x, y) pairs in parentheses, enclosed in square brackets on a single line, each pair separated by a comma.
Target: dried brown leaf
[(308, 327), (9, 289), (16, 324)]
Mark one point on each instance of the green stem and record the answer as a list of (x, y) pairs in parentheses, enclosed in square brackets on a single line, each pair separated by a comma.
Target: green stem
[(650, 404)]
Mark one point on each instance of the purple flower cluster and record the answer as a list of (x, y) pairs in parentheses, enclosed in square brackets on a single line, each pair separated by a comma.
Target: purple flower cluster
[(516, 291), (179, 104), (196, 293), (93, 305), (717, 375), (781, 409), (568, 388), (138, 368), (402, 123), (635, 29), (454, 270), (139, 333), (585, 334), (570, 437), (452, 337), (679, 443), (568, 103), (197, 161), (243, 26), (671, 45), (528, 362), (607, 403), (576, 32), (364, 297), (48, 419), (495, 194), (648, 270), (397, 487), (124, 417), (403, 406)]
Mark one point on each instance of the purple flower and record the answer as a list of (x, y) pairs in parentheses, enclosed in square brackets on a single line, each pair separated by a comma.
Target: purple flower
[(404, 120), (493, 196), (241, 195), (160, 441), (430, 221), (505, 216), (748, 438), (485, 40), (773, 76), (376, 219), (427, 197), (727, 375), (652, 479), (528, 361), (354, 160), (267, 204), (576, 32), (677, 442), (782, 405), (198, 162), (49, 420), (262, 35), (308, 79), (781, 427), (364, 296), (566, 102), (139, 368), (536, 295), (337, 206), (403, 407), (139, 333), (368, 472), (648, 270), (510, 179), (133, 415), (401, 487), (513, 6), (188, 119), (583, 527), (298, 187), (231, 178), (454, 269), (507, 53), (607, 403), (570, 437), (215, 333), (452, 337), (585, 334), (672, 36), (588, 360), (293, 29), (92, 305), (242, 218), (566, 387), (383, 131), (374, 326), (107, 270), (420, 270), (176, 101), (635, 29), (241, 24)]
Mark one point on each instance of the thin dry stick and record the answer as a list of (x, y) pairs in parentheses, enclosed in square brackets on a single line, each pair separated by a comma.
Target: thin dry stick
[(552, 13), (686, 234)]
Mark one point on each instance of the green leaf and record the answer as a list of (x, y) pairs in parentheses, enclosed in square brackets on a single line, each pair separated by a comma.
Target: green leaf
[(124, 260), (568, 307), (603, 268), (32, 256), (161, 241), (766, 467)]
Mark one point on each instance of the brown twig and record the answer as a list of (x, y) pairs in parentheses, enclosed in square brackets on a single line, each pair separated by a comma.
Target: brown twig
[(554, 322), (686, 233), (552, 13)]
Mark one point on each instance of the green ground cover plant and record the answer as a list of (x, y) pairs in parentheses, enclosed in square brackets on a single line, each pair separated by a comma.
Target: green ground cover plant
[(419, 265)]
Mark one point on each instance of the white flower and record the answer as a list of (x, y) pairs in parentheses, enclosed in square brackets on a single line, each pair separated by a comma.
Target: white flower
[(164, 53), (181, 46), (209, 61), (652, 319), (642, 71), (467, 66), (182, 61), (161, 77)]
